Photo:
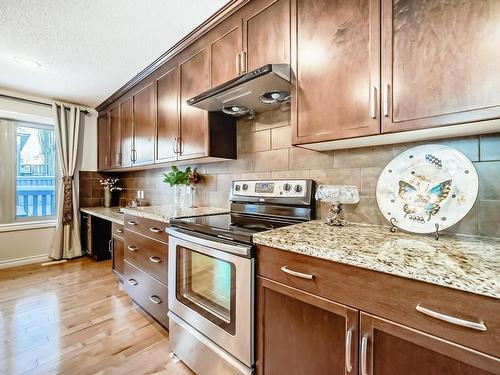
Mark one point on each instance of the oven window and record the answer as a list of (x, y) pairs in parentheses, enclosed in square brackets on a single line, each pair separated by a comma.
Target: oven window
[(207, 285)]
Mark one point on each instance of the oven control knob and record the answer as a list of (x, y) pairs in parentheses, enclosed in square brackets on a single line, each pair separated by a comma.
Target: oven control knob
[(245, 187), (237, 187), (298, 188), (287, 187)]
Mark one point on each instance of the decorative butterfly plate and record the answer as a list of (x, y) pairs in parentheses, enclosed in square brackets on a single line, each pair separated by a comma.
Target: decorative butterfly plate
[(427, 188)]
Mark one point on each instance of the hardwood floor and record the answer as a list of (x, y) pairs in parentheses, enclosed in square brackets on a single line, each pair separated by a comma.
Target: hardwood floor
[(73, 319)]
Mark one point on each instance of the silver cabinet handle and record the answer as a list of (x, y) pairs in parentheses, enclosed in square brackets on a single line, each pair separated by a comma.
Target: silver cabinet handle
[(179, 149), (132, 282), (348, 344), (364, 357), (238, 64), (110, 245), (451, 319), (307, 276), (387, 94), (155, 230), (174, 145), (243, 62), (373, 103), (155, 259), (155, 299), (131, 223), (132, 248), (106, 160), (119, 230)]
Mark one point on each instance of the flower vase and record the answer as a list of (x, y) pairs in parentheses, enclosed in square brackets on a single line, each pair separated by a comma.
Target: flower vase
[(107, 197), (180, 195)]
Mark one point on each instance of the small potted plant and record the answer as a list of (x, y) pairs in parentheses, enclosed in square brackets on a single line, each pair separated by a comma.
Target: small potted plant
[(110, 185), (180, 180)]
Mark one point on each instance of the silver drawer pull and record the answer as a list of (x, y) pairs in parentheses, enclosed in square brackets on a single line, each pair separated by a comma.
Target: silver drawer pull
[(119, 230), (132, 282), (155, 299), (131, 223), (155, 230), (155, 259), (132, 248), (364, 355), (307, 276), (451, 319)]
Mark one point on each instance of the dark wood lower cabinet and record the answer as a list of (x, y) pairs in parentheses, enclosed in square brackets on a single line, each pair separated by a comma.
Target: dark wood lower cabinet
[(387, 348), (299, 333), (118, 246)]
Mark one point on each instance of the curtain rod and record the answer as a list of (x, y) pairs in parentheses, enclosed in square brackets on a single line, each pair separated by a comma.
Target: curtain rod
[(85, 112)]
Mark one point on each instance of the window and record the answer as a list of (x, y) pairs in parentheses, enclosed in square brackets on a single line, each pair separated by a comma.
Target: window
[(28, 172)]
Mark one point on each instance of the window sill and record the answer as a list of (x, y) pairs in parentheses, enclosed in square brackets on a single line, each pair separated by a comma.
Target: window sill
[(27, 225)]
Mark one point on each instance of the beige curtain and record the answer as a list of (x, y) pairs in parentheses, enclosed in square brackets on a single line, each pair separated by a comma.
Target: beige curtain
[(66, 241)]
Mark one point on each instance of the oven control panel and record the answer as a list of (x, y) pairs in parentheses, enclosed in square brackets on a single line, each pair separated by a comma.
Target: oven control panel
[(270, 188)]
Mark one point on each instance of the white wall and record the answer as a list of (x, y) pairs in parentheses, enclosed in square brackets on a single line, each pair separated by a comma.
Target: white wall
[(32, 245)]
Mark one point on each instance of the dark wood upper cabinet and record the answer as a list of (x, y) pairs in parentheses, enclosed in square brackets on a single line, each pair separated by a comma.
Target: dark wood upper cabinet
[(114, 138), (266, 34), (298, 333), (103, 142), (225, 52), (167, 133), (127, 131), (194, 79), (335, 45), (440, 63), (144, 125), (387, 348)]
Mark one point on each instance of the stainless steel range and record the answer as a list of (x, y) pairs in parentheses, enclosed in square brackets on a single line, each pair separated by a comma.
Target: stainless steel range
[(211, 273)]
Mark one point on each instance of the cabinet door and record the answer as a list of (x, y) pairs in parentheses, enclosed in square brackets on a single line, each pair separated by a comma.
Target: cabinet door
[(144, 125), (114, 138), (103, 142), (440, 63), (336, 51), (387, 348), (225, 52), (167, 132), (299, 333), (127, 131), (118, 254), (194, 121), (266, 34)]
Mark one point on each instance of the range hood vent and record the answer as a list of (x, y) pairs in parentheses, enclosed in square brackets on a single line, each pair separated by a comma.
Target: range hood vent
[(260, 90)]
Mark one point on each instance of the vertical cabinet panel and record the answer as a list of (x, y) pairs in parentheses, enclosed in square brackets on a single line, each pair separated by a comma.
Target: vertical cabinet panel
[(267, 35), (440, 62), (387, 348), (118, 255), (144, 125), (114, 137), (127, 131), (336, 62), (194, 121), (103, 142), (298, 333), (225, 54), (167, 133)]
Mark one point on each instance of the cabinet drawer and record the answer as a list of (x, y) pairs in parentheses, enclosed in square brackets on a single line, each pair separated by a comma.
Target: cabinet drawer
[(147, 227), (391, 297), (147, 254), (117, 229), (147, 292)]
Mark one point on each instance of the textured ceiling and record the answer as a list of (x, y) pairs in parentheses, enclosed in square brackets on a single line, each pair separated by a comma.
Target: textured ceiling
[(89, 48)]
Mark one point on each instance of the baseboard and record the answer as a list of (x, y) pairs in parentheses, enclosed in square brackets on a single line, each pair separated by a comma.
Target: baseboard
[(23, 261)]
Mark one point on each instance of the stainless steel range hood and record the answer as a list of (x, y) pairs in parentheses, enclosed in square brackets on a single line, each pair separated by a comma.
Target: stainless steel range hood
[(257, 91)]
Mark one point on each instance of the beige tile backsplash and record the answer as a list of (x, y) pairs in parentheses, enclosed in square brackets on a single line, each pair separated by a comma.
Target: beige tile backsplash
[(264, 151)]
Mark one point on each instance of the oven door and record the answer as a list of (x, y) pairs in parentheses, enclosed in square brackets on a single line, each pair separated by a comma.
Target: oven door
[(211, 287)]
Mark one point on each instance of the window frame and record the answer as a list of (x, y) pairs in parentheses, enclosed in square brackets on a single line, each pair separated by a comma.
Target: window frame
[(15, 222)]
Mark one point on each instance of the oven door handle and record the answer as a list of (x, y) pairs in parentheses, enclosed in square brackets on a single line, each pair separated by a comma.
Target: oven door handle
[(209, 241)]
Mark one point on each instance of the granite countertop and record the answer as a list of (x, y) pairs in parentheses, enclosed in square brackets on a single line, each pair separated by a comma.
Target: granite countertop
[(112, 213), (165, 213), (467, 263)]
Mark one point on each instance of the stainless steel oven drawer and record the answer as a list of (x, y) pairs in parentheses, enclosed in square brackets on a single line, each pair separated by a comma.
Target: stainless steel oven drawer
[(147, 292), (202, 355)]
